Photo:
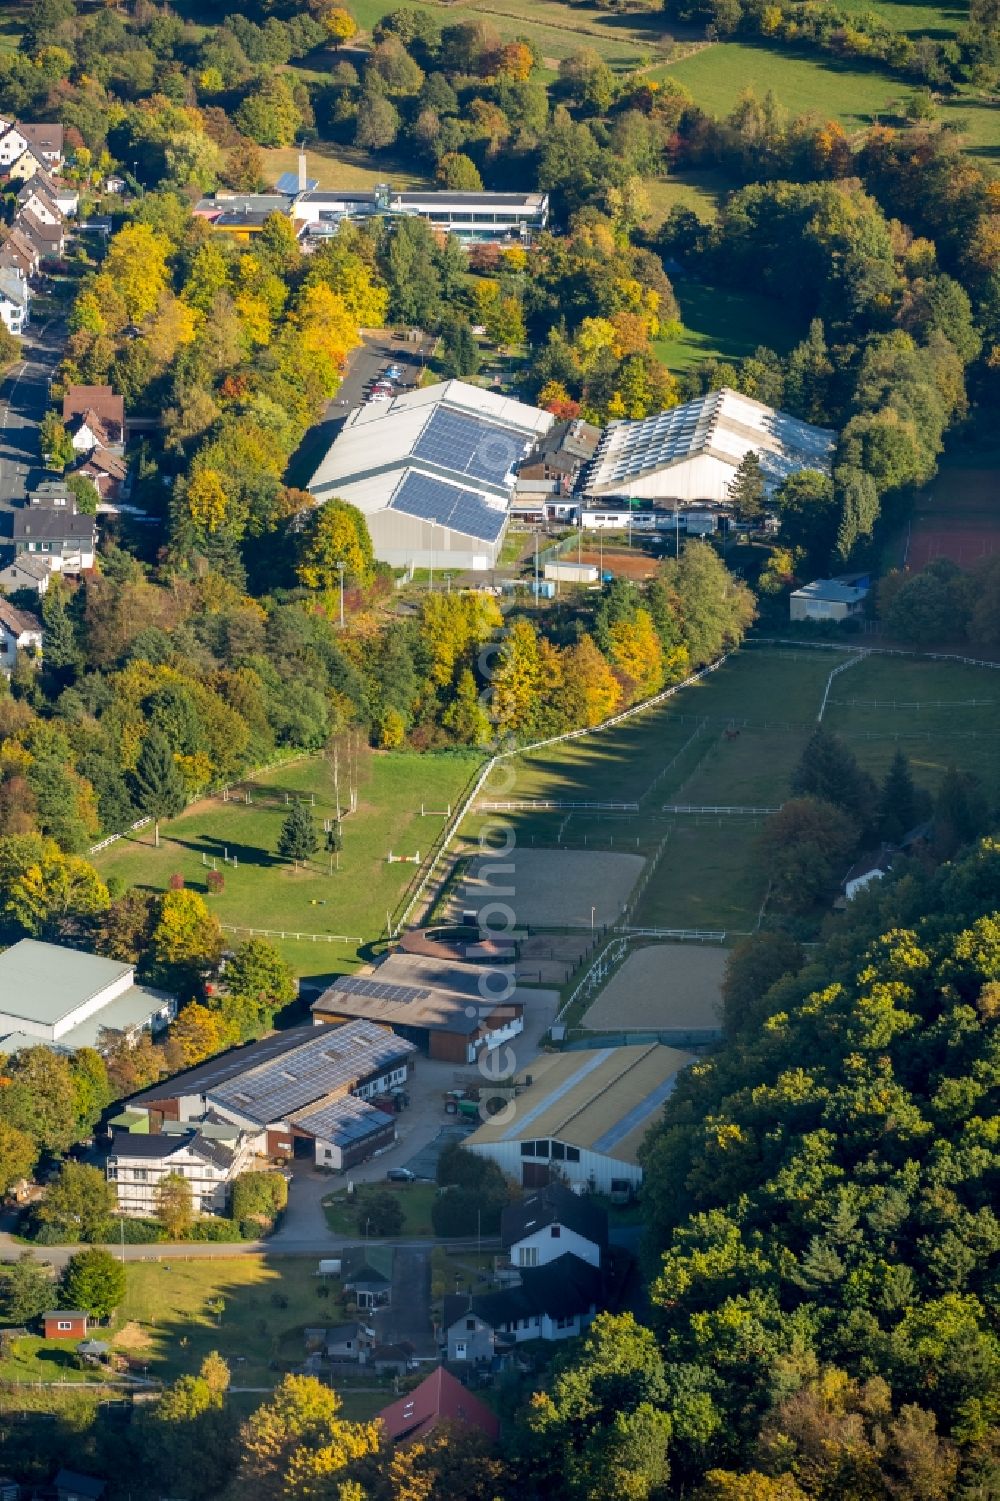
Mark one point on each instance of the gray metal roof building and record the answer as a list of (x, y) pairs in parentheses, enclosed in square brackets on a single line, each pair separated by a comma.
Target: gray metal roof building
[(66, 998), (433, 472)]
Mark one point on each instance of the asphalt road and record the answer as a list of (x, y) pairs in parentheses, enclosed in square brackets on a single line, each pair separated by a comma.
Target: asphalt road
[(24, 397)]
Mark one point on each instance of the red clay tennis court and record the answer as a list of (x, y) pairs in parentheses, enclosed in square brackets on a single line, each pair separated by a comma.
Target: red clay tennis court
[(958, 518)]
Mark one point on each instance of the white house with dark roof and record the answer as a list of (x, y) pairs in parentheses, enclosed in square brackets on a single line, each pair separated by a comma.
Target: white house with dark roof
[(19, 631), (51, 527), (208, 1157), (552, 1222), (15, 299), (433, 472), (68, 999)]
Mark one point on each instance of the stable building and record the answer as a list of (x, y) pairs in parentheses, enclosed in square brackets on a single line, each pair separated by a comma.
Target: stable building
[(69, 999), (581, 1116), (433, 472), (448, 1010), (691, 452), (302, 1093)]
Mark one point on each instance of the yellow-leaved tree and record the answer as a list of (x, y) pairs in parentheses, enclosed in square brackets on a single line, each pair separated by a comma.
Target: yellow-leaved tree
[(206, 500), (336, 534), (637, 655), (298, 1445), (136, 264)]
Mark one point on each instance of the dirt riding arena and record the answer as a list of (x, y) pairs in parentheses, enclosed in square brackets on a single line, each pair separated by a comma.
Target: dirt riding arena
[(955, 519), (628, 563), (552, 888), (664, 986)]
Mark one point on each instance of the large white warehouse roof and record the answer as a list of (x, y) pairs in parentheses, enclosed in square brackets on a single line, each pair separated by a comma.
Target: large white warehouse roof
[(442, 458), (723, 426)]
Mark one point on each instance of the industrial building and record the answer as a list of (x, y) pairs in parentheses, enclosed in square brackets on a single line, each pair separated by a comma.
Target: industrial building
[(433, 472), (301, 1093), (65, 998), (691, 453), (581, 1116), (448, 1010)]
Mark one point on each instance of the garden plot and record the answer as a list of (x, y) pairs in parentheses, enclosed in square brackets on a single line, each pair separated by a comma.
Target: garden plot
[(551, 888), (663, 987)]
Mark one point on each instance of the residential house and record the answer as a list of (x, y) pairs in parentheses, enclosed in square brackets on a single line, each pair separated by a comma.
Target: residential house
[(51, 527), (836, 599), (19, 631), (552, 1302), (18, 253), (12, 145), (440, 1398), (870, 867), (37, 195), (71, 1485), (48, 239), (100, 403), (348, 1341), (65, 1323), (15, 299), (389, 1360), (107, 473), (27, 164), (88, 432), (46, 141), (547, 1224), (209, 1156), (25, 572), (367, 1275)]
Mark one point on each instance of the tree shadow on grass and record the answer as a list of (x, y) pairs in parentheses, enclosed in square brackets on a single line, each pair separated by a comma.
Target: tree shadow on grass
[(243, 854)]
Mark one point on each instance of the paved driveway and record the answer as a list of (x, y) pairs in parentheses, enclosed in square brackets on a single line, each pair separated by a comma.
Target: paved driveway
[(24, 397), (408, 1316)]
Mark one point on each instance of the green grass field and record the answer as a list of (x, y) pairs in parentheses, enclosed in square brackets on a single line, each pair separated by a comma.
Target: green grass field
[(939, 21), (165, 1327), (345, 1214), (344, 167), (700, 191), (265, 892), (706, 877), (725, 325), (557, 28), (823, 86)]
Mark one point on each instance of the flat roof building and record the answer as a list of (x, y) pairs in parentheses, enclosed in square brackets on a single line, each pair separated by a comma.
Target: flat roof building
[(582, 1116), (69, 999), (433, 472), (692, 452)]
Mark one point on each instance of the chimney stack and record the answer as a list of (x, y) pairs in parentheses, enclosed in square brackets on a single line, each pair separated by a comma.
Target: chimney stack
[(303, 181)]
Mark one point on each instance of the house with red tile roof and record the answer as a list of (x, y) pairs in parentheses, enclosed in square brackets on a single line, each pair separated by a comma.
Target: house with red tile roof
[(440, 1398)]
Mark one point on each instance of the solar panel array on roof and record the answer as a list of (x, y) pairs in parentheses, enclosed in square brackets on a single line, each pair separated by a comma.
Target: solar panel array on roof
[(381, 990), (336, 1058), (461, 510), (343, 1122), (637, 446), (468, 445)]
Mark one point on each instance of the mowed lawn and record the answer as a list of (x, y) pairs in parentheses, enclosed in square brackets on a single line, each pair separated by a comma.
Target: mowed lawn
[(342, 167), (264, 891), (166, 1325), (719, 323), (699, 190), (873, 708)]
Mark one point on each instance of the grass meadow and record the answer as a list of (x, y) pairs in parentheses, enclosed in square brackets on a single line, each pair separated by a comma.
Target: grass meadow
[(166, 1326), (679, 753), (723, 324), (264, 891)]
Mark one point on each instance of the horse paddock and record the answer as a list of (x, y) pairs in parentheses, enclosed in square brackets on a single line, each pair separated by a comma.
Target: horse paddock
[(662, 987)]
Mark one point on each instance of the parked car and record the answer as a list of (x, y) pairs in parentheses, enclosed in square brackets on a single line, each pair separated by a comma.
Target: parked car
[(400, 1175), (393, 372)]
